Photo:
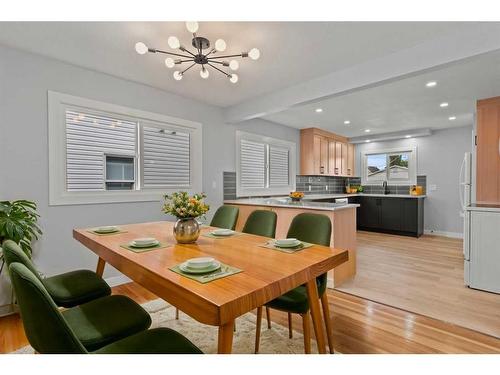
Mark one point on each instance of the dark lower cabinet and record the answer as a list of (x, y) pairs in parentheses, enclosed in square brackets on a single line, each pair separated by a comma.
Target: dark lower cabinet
[(403, 216)]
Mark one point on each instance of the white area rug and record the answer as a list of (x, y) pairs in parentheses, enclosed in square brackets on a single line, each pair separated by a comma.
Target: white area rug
[(272, 341)]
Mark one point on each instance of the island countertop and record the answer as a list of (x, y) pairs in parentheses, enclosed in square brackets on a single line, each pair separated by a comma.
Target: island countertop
[(287, 202)]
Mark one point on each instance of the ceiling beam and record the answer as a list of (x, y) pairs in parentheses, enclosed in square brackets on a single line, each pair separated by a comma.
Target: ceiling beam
[(472, 40)]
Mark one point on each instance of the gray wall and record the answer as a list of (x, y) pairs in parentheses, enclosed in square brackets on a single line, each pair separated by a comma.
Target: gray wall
[(439, 158), (25, 79)]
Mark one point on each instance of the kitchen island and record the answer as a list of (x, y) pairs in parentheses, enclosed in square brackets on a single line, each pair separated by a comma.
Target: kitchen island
[(342, 216)]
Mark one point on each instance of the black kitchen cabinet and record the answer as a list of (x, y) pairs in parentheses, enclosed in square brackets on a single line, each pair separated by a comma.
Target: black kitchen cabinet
[(388, 214)]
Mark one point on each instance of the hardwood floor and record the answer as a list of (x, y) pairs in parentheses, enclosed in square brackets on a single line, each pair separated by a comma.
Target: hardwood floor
[(359, 326), (423, 275)]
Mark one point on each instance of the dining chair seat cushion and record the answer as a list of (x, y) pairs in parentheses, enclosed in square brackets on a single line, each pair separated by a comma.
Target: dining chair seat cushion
[(225, 217), (76, 287), (294, 301), (154, 341), (105, 320)]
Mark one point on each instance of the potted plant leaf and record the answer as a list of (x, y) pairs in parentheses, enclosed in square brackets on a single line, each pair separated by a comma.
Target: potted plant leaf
[(19, 223)]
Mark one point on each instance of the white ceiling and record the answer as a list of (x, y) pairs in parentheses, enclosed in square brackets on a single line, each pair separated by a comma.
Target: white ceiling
[(406, 103), (292, 52)]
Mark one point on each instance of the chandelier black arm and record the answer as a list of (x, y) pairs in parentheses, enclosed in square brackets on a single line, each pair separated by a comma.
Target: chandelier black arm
[(189, 67), (219, 62), (168, 53), (220, 70), (212, 51), (188, 51), (225, 56)]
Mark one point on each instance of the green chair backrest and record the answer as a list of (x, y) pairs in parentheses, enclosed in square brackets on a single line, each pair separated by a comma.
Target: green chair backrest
[(13, 253), (44, 325), (313, 228), (261, 223), (225, 217)]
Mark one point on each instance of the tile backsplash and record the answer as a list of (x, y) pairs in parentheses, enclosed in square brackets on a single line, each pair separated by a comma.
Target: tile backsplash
[(325, 185)]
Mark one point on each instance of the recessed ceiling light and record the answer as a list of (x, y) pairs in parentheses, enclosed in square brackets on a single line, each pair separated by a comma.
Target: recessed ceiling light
[(451, 118), (407, 136), (367, 130), (367, 141), (319, 110), (431, 84), (347, 122), (443, 105)]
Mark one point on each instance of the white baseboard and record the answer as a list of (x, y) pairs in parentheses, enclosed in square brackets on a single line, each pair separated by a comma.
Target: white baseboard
[(8, 310), (117, 280), (443, 233)]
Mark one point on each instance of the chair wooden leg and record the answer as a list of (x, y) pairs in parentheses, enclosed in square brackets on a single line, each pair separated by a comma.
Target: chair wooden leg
[(290, 329), (306, 327), (257, 331), (328, 321), (176, 313), (268, 317)]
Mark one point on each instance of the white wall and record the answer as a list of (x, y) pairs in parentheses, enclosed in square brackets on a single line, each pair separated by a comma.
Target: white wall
[(439, 158), (24, 81)]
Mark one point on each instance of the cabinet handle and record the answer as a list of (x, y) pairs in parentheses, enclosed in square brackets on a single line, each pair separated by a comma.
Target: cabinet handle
[(321, 170)]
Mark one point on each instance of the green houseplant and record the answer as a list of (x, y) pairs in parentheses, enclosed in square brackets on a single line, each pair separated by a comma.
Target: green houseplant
[(19, 223), (186, 209)]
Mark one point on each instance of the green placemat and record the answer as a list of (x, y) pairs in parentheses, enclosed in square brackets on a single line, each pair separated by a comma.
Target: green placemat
[(161, 245), (210, 235), (289, 250), (106, 234), (222, 272)]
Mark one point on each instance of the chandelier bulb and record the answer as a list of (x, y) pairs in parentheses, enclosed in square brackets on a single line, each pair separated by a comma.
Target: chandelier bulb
[(178, 75), (234, 65), (141, 48), (192, 26), (220, 45), (233, 78), (169, 62), (204, 73), (173, 42), (254, 54)]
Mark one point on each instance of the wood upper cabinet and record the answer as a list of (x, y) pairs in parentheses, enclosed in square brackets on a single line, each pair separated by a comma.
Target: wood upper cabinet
[(324, 153), (488, 151)]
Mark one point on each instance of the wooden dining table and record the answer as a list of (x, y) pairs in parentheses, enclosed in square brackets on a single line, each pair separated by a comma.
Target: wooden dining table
[(266, 273)]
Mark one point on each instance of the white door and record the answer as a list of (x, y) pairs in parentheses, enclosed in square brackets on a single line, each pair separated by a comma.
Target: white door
[(485, 251)]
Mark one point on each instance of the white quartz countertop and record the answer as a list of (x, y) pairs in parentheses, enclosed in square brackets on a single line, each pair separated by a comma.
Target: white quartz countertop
[(333, 196), (286, 202), (483, 207)]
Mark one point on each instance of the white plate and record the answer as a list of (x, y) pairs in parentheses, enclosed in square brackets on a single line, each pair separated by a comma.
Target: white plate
[(107, 229), (222, 232), (287, 242), (202, 262), (148, 244), (213, 267)]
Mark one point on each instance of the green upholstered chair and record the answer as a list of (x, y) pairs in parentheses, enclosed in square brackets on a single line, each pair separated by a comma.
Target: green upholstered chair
[(51, 331), (68, 289), (225, 217), (261, 223), (317, 229)]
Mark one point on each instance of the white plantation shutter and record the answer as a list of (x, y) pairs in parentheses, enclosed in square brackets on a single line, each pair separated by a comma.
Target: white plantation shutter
[(166, 157), (88, 138), (278, 166), (252, 164)]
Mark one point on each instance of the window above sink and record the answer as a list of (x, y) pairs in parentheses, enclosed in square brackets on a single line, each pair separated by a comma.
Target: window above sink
[(396, 166)]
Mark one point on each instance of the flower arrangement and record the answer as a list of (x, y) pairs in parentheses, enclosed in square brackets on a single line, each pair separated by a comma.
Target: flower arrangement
[(296, 195), (183, 206)]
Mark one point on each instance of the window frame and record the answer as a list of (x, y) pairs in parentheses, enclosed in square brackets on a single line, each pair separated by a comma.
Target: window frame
[(292, 161), (412, 166), (58, 194)]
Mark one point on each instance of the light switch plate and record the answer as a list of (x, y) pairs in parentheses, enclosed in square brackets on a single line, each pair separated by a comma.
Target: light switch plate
[(433, 187)]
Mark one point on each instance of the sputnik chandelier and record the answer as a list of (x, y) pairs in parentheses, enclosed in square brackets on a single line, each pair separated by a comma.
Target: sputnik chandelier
[(204, 55)]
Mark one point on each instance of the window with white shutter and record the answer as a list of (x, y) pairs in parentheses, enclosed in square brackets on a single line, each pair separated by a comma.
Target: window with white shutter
[(166, 157), (103, 153), (265, 165)]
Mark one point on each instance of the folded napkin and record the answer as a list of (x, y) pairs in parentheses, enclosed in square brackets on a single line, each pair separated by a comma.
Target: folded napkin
[(222, 272), (144, 249), (290, 250)]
